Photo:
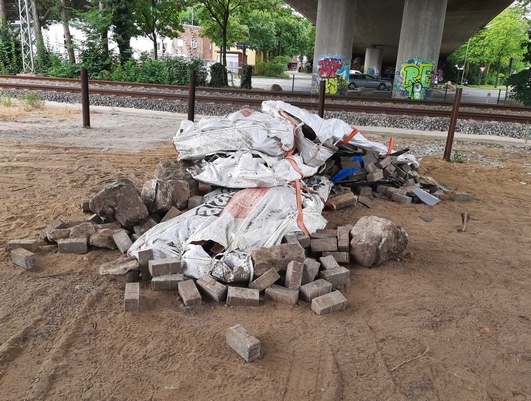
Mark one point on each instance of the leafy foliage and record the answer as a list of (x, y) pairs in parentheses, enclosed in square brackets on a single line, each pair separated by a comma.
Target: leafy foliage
[(10, 52), (218, 74), (521, 83), (274, 68), (155, 18)]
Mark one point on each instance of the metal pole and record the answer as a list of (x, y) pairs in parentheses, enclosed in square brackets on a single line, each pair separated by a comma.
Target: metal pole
[(293, 84), (191, 96), (499, 94), (320, 108), (85, 105), (445, 92), (453, 122)]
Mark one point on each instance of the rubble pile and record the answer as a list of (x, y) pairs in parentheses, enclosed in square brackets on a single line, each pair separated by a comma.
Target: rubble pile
[(238, 217)]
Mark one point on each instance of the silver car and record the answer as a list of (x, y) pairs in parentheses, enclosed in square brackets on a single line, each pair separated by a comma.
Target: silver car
[(368, 81)]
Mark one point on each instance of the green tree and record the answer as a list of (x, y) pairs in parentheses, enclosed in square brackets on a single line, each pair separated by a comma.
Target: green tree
[(122, 22), (157, 18), (220, 23), (494, 45)]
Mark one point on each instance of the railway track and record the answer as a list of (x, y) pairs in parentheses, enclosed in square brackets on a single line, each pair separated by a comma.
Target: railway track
[(254, 98)]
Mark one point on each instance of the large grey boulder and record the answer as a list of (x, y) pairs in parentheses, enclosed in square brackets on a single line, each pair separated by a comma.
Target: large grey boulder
[(120, 201), (376, 240)]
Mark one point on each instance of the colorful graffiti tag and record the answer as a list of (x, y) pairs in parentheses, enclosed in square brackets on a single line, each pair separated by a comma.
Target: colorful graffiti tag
[(414, 79), (334, 72)]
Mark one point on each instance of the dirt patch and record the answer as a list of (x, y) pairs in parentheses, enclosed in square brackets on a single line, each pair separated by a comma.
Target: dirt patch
[(450, 320)]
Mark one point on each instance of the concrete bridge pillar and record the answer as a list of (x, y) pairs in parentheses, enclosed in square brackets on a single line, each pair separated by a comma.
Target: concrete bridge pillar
[(419, 47), (334, 37), (373, 60)]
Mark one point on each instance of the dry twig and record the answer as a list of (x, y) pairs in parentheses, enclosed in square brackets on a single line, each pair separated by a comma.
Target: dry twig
[(412, 359)]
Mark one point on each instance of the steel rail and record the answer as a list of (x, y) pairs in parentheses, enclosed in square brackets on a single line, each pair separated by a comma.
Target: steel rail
[(256, 102), (235, 91)]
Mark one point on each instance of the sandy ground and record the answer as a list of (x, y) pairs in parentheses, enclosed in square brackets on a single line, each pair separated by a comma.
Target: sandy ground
[(450, 320)]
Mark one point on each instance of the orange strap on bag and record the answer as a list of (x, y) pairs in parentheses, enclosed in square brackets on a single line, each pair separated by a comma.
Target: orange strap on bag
[(298, 196), (350, 136)]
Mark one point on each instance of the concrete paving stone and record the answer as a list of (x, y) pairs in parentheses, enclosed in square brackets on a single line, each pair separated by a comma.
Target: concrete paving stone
[(364, 190), (281, 294), (162, 267), (169, 282), (339, 275), (328, 303), (328, 262), (340, 257), (23, 258), (29, 244), (265, 280), (237, 296), (212, 288), (57, 223), (310, 271), (324, 244), (294, 274), (241, 342), (383, 163), (122, 240), (315, 289), (343, 200), (343, 238), (132, 297), (396, 197), (304, 240), (78, 246), (173, 212), (375, 176), (189, 293)]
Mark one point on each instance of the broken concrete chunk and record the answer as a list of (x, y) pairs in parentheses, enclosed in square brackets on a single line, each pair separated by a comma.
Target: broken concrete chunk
[(103, 239), (119, 267), (173, 212), (56, 234), (83, 230), (120, 201), (376, 240), (277, 257), (122, 240), (194, 201), (57, 223)]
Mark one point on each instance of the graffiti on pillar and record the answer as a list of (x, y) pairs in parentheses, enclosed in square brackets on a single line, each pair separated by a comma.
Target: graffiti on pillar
[(414, 79), (374, 71), (334, 72)]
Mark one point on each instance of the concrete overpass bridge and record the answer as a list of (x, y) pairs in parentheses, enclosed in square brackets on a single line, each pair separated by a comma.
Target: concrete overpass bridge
[(412, 34)]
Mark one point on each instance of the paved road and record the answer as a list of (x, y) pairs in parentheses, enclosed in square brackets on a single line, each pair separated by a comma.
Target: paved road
[(302, 82)]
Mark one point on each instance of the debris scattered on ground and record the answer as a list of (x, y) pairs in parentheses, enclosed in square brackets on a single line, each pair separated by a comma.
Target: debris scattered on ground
[(239, 214)]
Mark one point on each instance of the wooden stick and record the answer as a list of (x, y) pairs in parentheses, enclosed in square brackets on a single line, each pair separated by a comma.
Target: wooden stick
[(412, 359)]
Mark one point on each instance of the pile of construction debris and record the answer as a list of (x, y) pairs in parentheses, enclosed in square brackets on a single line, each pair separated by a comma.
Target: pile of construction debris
[(240, 213)]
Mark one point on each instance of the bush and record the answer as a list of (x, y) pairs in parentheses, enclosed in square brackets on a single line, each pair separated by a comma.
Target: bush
[(521, 83), (31, 101), (247, 73), (62, 68), (274, 68), (218, 74), (10, 51)]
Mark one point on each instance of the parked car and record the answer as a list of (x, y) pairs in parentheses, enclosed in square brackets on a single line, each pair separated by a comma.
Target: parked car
[(368, 81)]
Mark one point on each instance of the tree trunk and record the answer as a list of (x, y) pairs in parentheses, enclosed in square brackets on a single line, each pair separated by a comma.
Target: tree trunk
[(2, 12), (68, 37), (39, 39), (104, 33), (155, 51)]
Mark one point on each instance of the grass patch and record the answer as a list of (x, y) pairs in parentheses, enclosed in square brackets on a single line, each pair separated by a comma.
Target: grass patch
[(6, 101), (31, 101)]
